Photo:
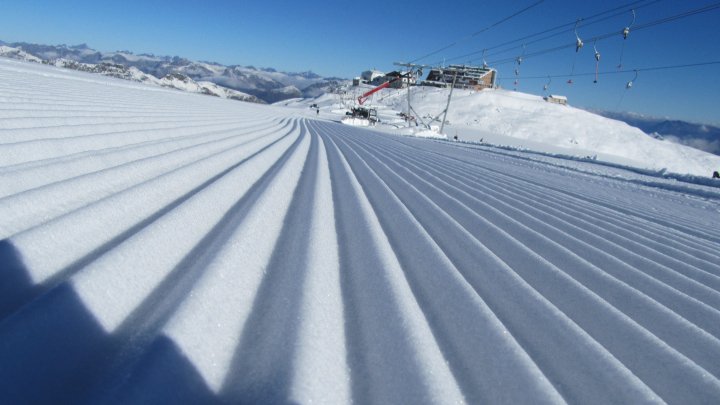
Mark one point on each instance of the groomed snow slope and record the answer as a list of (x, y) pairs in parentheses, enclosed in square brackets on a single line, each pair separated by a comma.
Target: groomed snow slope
[(165, 247)]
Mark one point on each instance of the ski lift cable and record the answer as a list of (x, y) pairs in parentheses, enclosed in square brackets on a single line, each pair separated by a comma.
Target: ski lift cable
[(586, 23), (506, 50), (665, 20), (537, 3), (615, 72), (474, 34), (569, 26), (705, 9), (590, 20)]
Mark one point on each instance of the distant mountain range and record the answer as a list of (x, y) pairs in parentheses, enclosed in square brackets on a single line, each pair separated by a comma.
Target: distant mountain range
[(699, 136), (245, 83)]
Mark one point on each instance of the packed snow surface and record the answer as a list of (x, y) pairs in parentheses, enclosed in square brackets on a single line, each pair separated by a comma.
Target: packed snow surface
[(164, 247)]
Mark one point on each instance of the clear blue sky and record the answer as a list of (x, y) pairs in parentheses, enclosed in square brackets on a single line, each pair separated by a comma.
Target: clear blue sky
[(343, 38)]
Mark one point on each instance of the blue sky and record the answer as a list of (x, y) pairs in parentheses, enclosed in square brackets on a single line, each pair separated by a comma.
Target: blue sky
[(343, 38)]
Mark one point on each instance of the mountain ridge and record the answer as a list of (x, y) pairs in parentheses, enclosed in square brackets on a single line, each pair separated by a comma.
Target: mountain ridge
[(266, 84)]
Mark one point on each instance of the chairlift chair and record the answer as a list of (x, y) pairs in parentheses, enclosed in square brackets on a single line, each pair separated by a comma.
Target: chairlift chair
[(629, 84), (578, 42), (626, 30), (547, 85), (597, 62)]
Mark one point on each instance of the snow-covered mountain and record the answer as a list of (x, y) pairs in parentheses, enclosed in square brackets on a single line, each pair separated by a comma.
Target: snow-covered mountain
[(527, 122), (16, 53), (173, 80), (700, 136), (268, 85)]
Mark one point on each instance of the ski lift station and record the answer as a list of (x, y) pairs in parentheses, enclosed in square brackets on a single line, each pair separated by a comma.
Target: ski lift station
[(398, 80), (370, 76), (467, 77)]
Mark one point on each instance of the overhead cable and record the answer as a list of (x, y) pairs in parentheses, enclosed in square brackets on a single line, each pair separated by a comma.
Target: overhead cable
[(474, 34)]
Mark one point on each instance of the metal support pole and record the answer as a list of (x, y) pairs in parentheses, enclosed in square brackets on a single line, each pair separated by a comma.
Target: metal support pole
[(409, 105), (447, 107), (411, 67)]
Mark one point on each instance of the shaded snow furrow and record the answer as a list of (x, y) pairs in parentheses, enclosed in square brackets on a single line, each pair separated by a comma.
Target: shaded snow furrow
[(592, 209), (535, 173), (104, 226), (629, 222), (31, 175), (603, 224), (183, 165), (587, 248), (626, 204), (612, 251), (163, 247), (64, 134)]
